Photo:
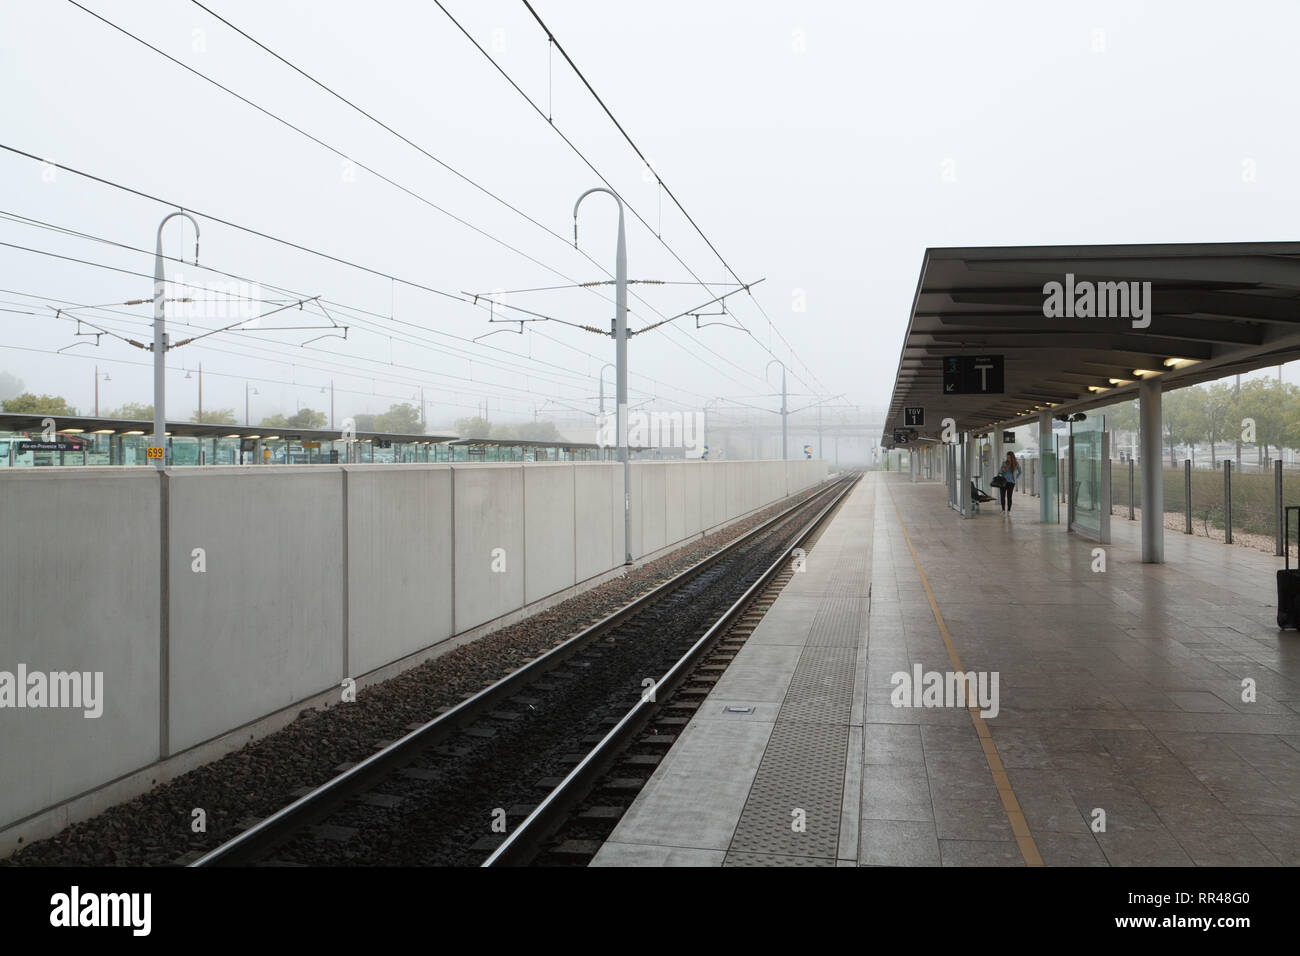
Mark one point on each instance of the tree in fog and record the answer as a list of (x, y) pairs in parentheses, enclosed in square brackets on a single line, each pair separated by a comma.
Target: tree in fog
[(30, 404), (402, 419), (303, 418), (132, 410), (217, 416), (528, 431), (1273, 406), (476, 427), (10, 386), (1217, 414), (1181, 418)]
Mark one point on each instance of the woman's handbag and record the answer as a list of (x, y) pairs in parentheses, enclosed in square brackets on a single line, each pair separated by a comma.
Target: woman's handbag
[(998, 481)]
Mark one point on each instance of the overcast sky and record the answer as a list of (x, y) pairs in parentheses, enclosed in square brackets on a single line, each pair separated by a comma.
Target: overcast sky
[(819, 146)]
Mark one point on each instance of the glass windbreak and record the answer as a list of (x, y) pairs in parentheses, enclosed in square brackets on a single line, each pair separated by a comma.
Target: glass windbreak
[(1047, 461), (1085, 476)]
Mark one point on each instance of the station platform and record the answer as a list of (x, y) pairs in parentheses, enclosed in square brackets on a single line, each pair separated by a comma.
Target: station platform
[(1123, 731)]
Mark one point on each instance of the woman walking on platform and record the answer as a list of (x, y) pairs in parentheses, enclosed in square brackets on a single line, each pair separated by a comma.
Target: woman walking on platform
[(1009, 474)]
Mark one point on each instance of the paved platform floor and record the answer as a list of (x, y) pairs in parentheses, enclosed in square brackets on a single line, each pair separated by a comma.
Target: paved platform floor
[(1124, 731)]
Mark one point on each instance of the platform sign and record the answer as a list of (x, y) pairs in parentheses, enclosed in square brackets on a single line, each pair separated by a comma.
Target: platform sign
[(901, 436), (153, 452), (24, 446), (311, 444), (914, 416), (972, 375), (1008, 438), (293, 438)]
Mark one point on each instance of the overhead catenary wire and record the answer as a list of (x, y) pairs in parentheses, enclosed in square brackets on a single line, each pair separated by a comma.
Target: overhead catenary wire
[(600, 175), (332, 92)]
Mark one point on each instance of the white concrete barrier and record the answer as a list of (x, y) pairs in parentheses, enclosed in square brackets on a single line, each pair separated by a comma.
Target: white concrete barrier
[(399, 562), (260, 626), (489, 535), (78, 593)]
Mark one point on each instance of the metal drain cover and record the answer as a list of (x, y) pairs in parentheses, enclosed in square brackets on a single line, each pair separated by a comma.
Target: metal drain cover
[(735, 709)]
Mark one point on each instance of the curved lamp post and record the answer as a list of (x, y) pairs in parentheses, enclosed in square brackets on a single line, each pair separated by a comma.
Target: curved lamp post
[(620, 357), (160, 337)]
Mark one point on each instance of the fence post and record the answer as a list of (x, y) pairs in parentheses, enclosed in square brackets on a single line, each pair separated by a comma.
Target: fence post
[(1130, 489), (1227, 501), (1110, 486), (1277, 506), (1187, 487)]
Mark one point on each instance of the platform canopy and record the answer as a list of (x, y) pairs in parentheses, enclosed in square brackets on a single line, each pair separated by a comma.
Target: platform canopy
[(1212, 309)]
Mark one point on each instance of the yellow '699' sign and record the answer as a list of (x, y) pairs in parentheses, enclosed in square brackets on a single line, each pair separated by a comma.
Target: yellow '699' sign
[(153, 452)]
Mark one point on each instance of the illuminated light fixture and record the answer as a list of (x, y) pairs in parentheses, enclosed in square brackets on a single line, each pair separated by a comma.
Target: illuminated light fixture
[(271, 437), (71, 431), (229, 436), (1143, 372), (1098, 388), (103, 431), (1180, 362), (132, 433), (1121, 381)]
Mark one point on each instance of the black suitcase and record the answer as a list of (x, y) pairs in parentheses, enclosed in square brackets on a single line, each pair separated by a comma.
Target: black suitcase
[(1288, 580)]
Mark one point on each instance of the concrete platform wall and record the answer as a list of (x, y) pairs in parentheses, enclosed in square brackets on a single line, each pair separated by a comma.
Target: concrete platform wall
[(283, 582), (78, 592)]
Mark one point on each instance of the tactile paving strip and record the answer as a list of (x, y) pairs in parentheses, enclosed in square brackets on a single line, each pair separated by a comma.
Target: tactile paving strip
[(802, 769), (773, 859), (838, 623), (822, 685)]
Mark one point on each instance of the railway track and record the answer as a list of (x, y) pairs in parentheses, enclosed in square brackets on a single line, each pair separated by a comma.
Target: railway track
[(490, 780)]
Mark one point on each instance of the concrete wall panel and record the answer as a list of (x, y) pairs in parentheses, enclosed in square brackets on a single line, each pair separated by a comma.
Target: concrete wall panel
[(674, 501), (653, 493), (262, 627), (78, 592), (549, 530), (598, 496), (489, 514), (693, 483), (399, 560)]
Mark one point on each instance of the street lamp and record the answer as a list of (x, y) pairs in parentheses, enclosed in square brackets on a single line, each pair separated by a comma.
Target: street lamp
[(160, 337), (620, 356), (97, 378)]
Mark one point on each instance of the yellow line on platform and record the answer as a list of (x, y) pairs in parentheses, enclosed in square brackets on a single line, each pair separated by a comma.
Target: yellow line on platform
[(1015, 816)]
